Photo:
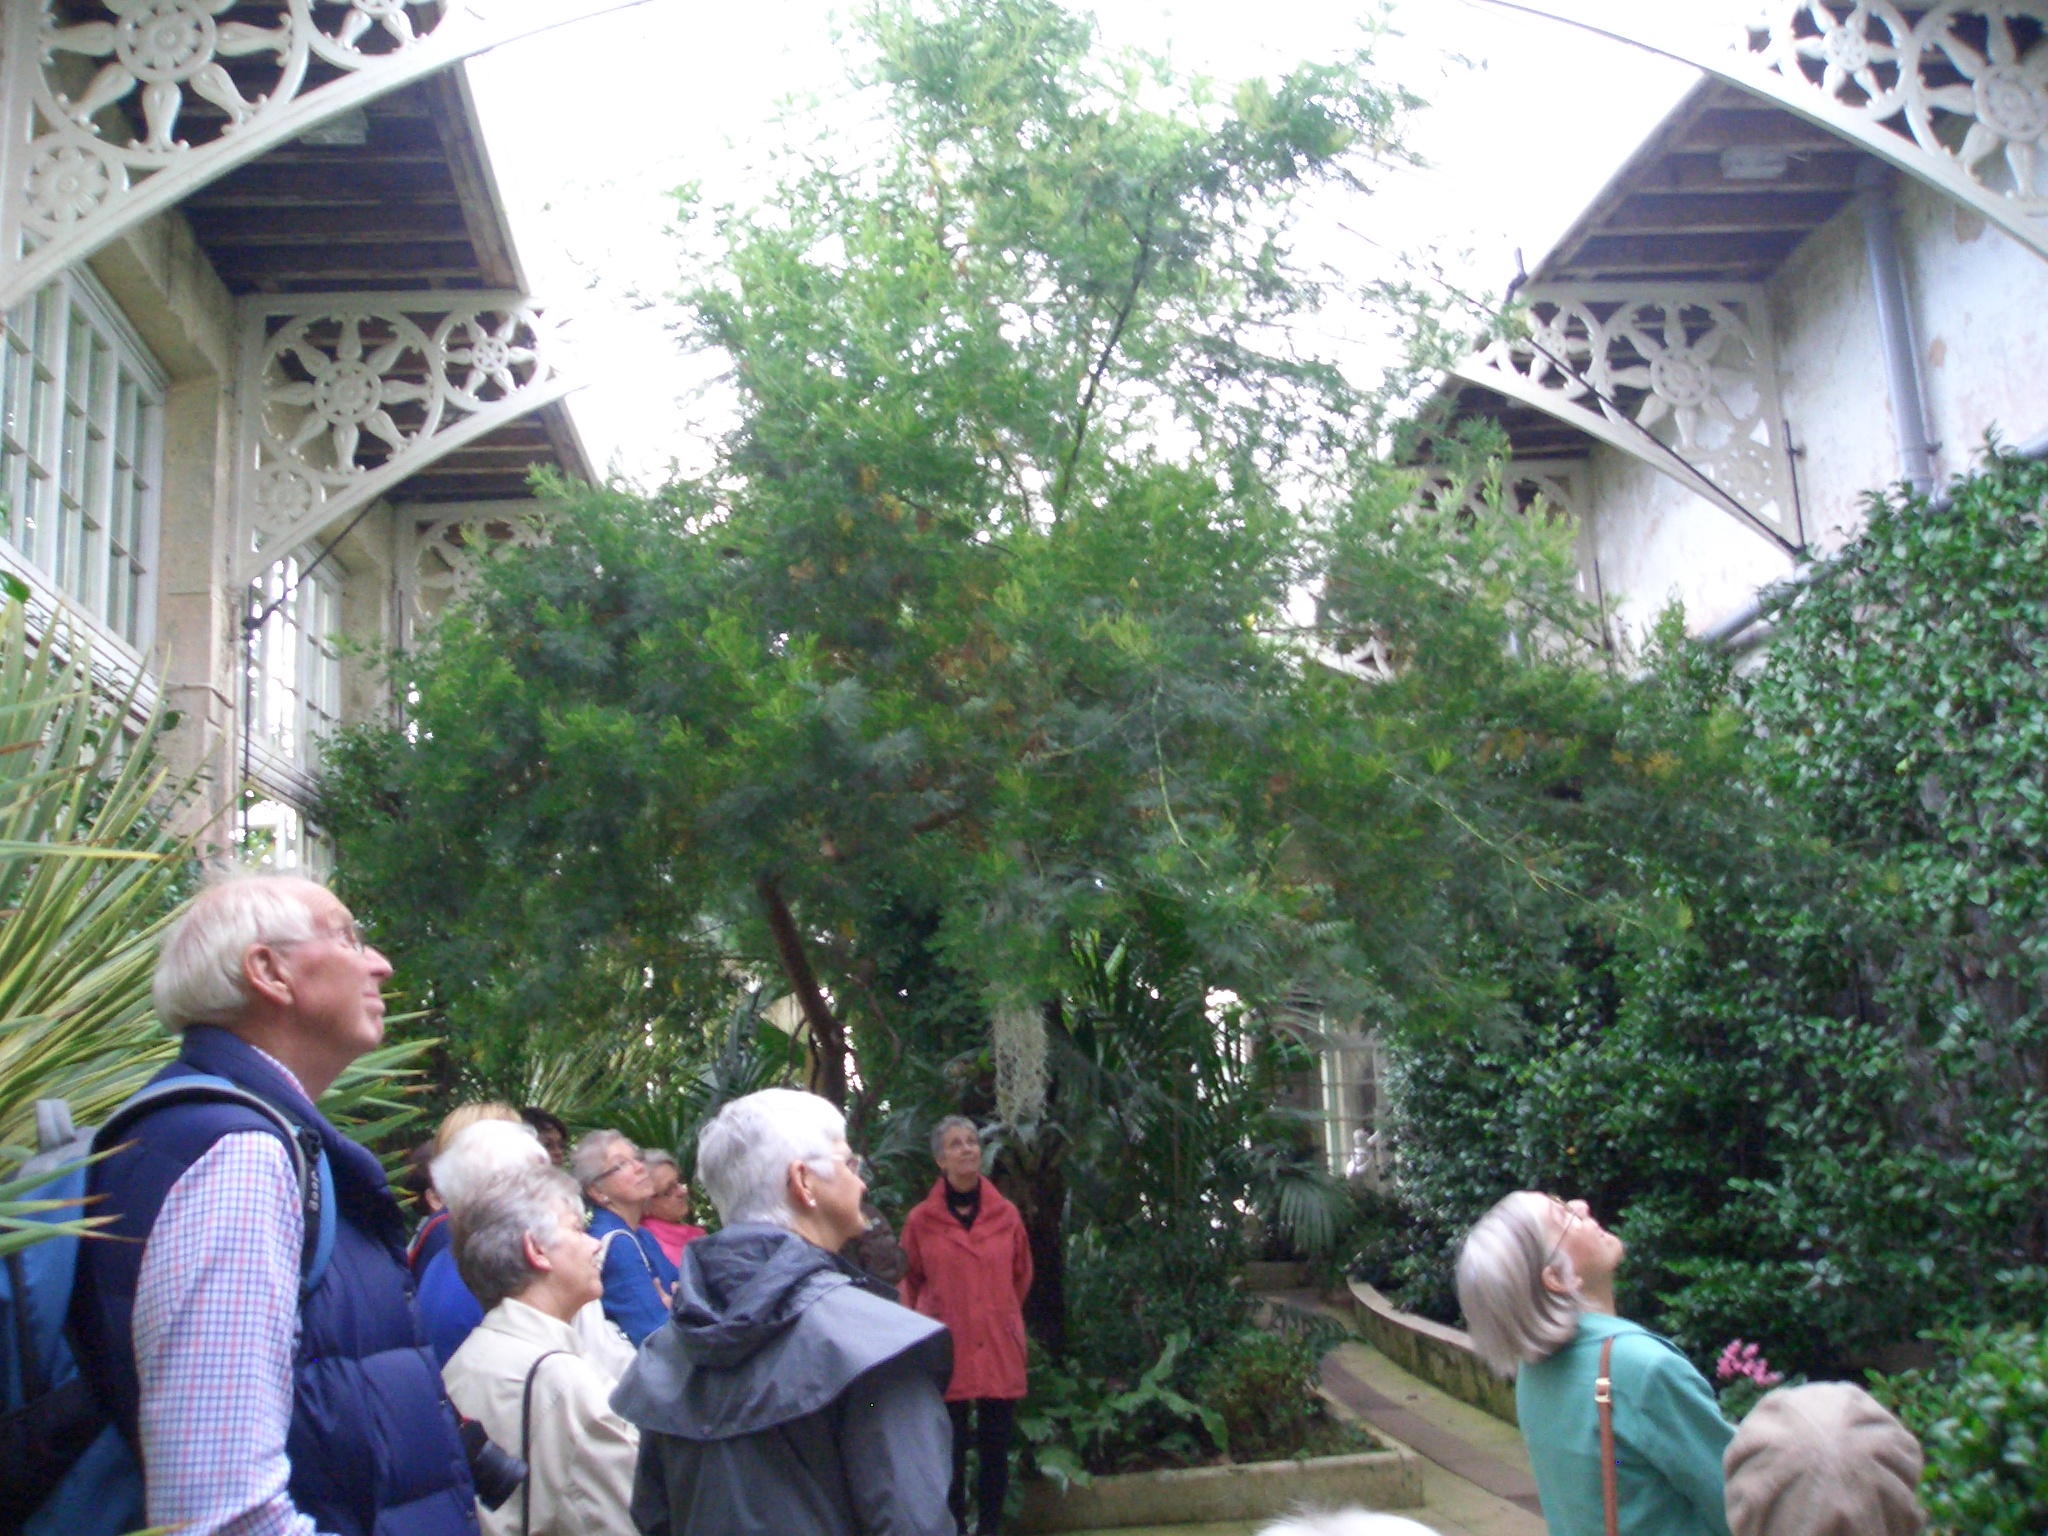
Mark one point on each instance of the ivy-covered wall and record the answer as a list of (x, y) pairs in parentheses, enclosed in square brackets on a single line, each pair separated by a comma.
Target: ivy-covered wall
[(1815, 1102)]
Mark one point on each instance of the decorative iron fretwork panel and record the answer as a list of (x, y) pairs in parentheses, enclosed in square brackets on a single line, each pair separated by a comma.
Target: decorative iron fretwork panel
[(1954, 93), (343, 396), (112, 110), (443, 553), (1523, 484), (1682, 377)]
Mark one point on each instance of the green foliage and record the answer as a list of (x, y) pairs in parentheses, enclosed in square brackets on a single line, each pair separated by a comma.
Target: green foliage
[(1078, 1424), (1132, 1289), (1262, 1383), (966, 674), (1780, 1018), (88, 879), (1982, 1419)]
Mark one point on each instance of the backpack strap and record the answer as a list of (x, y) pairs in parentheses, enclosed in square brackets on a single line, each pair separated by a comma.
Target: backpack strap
[(310, 1165)]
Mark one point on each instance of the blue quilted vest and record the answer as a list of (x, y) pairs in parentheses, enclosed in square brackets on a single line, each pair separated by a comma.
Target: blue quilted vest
[(373, 1444)]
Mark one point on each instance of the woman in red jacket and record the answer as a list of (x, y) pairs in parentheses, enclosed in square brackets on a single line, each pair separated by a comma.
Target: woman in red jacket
[(970, 1267)]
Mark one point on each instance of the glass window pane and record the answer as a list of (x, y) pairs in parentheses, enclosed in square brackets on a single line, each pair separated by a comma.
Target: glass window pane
[(76, 408)]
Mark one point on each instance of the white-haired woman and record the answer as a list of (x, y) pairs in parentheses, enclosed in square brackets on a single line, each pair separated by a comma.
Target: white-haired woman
[(639, 1279), (1536, 1281), (786, 1395), (479, 1156), (525, 1372)]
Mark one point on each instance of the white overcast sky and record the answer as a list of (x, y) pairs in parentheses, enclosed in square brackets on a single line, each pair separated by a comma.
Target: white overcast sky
[(590, 124)]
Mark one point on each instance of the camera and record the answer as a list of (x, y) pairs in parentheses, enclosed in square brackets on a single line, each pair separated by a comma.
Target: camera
[(495, 1471)]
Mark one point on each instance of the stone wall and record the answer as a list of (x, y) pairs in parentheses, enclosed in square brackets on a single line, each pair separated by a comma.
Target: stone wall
[(1443, 1357)]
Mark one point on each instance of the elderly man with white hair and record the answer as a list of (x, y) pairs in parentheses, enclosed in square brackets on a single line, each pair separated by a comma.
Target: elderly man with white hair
[(264, 1359), (787, 1393), (525, 1372)]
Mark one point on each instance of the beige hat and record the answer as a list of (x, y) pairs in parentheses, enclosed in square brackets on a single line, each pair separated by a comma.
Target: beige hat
[(1822, 1460)]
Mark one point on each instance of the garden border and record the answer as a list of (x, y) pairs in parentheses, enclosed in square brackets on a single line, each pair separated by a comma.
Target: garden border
[(1255, 1490), (1443, 1357)]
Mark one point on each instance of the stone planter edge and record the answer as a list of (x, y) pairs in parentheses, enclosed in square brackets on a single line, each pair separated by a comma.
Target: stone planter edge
[(1443, 1357), (1258, 1490)]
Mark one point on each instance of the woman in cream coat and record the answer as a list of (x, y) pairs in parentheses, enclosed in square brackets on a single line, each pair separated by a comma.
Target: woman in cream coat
[(523, 1250)]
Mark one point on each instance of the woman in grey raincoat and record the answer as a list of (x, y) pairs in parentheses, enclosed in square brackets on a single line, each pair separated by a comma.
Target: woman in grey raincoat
[(784, 1396)]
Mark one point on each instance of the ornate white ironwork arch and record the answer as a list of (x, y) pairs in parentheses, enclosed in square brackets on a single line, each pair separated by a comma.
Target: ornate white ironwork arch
[(1681, 376), (76, 169), (342, 396), (1954, 93), (443, 548)]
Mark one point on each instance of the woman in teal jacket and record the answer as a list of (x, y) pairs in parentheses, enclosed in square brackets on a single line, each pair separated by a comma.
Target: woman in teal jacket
[(1536, 1280)]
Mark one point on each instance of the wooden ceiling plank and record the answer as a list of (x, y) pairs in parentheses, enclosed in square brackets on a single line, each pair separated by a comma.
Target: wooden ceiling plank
[(476, 188), (350, 224), (262, 183)]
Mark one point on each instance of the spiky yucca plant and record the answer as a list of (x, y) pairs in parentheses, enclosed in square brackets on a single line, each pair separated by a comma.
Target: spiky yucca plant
[(91, 874)]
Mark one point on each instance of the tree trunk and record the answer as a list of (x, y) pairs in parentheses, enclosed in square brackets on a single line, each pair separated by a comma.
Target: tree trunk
[(1037, 1186), (828, 1034)]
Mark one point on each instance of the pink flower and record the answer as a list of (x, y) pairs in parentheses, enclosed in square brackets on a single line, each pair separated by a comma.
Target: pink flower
[(1745, 1362)]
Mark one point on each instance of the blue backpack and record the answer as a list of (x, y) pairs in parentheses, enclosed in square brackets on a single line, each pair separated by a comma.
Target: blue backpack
[(65, 1469)]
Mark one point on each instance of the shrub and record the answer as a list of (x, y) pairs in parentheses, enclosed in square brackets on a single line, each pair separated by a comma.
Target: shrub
[(1785, 1025), (1982, 1418), (1263, 1384)]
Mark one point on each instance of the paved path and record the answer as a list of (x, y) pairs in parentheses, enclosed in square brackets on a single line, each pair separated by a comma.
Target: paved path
[(1475, 1470)]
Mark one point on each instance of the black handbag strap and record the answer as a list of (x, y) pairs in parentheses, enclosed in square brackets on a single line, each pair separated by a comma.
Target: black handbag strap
[(526, 1442)]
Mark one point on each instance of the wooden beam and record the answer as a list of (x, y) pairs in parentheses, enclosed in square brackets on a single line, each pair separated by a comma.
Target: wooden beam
[(262, 184), (353, 223), (1721, 129), (567, 442), (476, 188), (1765, 208), (429, 489), (402, 264)]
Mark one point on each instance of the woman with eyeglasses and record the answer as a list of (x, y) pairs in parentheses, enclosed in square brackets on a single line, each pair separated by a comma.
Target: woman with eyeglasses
[(789, 1392), (639, 1280), (1536, 1281)]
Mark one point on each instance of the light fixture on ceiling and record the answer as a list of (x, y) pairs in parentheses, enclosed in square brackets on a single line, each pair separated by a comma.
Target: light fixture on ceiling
[(1754, 162), (350, 129)]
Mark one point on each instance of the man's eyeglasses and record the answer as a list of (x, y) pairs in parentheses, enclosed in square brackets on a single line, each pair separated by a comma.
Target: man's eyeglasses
[(349, 935)]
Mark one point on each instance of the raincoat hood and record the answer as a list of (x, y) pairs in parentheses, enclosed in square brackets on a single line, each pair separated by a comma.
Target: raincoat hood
[(766, 1328)]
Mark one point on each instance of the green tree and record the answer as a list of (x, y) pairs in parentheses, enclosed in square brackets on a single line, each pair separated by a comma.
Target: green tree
[(971, 646)]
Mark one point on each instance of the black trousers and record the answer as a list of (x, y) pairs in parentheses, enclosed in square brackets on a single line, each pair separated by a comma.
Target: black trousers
[(994, 1418)]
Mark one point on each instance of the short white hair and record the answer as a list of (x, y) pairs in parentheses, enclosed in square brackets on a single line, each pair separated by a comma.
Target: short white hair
[(490, 1229), (952, 1123), (481, 1155), (1514, 1317), (743, 1155), (1344, 1522), (199, 970)]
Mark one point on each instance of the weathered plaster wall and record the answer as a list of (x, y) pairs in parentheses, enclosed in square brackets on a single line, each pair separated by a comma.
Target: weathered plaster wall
[(1654, 542), (1981, 302), (1977, 297)]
